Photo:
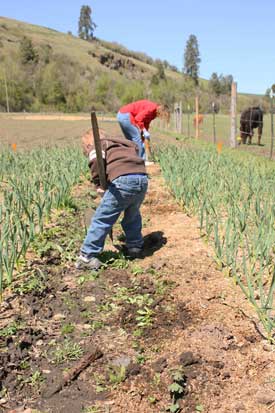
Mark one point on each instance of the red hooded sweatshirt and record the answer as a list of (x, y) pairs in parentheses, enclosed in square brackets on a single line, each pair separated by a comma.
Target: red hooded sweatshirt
[(141, 112)]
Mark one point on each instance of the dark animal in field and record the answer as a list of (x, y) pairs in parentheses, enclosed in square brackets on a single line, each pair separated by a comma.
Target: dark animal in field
[(251, 118)]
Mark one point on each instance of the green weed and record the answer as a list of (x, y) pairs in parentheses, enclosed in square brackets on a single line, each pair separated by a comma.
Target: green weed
[(96, 325), (87, 314), (145, 317), (152, 399), (176, 389), (106, 307), (156, 379), (91, 409), (67, 351), (24, 364), (33, 284), (141, 359), (136, 270), (90, 276), (114, 260), (117, 374), (36, 379), (67, 329), (138, 332), (10, 330), (100, 383)]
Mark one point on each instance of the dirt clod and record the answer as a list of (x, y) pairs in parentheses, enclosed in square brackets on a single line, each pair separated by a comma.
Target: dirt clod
[(187, 359), (160, 365)]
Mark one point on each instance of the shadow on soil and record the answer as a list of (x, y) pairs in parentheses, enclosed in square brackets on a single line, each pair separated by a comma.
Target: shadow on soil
[(153, 242)]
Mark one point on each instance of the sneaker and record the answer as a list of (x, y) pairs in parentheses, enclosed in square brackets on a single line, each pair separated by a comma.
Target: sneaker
[(134, 252), (84, 263)]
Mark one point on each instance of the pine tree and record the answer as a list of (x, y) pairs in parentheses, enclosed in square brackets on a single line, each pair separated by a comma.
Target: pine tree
[(86, 26), (27, 52), (192, 58), (215, 84)]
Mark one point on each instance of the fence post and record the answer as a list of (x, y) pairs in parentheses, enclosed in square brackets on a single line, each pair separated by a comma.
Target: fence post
[(197, 116), (188, 121), (233, 115), (180, 117), (272, 92), (214, 121), (175, 117)]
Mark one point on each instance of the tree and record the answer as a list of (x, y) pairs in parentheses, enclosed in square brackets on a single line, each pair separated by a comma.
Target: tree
[(226, 83), (215, 84), (192, 58), (160, 74), (220, 85), (267, 93), (160, 70), (27, 52), (86, 26)]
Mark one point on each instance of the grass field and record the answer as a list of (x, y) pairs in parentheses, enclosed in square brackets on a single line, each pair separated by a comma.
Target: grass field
[(223, 132)]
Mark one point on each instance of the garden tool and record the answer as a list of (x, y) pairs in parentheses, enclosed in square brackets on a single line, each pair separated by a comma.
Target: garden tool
[(99, 158)]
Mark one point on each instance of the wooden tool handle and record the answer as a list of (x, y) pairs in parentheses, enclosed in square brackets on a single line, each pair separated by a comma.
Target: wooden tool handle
[(99, 158)]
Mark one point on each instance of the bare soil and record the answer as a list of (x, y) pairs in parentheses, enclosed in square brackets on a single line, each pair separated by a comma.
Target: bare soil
[(170, 314)]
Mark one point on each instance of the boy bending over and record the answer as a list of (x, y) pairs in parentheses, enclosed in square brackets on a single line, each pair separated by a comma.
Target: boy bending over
[(127, 185)]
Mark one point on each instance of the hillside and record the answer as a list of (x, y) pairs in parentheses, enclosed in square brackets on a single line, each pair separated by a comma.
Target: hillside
[(58, 71), (97, 54)]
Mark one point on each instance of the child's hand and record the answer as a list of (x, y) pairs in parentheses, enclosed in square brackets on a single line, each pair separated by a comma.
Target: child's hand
[(100, 192)]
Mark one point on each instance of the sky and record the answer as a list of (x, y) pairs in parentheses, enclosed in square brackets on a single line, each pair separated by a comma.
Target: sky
[(234, 37)]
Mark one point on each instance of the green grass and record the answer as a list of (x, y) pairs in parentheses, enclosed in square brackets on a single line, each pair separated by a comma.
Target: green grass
[(222, 133)]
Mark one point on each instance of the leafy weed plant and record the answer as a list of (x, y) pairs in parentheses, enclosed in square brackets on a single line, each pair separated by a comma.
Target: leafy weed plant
[(67, 351)]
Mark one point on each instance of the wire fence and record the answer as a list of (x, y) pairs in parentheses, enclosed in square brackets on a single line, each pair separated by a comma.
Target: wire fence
[(216, 127), (212, 127)]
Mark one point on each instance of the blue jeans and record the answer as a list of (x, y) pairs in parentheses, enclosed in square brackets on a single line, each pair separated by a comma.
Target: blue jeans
[(124, 193), (131, 132)]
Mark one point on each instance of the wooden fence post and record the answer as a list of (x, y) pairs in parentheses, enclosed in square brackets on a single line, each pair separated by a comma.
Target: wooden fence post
[(197, 116), (233, 132), (178, 117), (214, 108)]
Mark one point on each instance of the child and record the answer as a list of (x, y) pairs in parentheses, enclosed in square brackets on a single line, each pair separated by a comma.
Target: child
[(127, 185), (135, 118)]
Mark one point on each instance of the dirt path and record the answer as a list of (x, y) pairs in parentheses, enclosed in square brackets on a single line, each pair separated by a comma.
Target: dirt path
[(170, 318)]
